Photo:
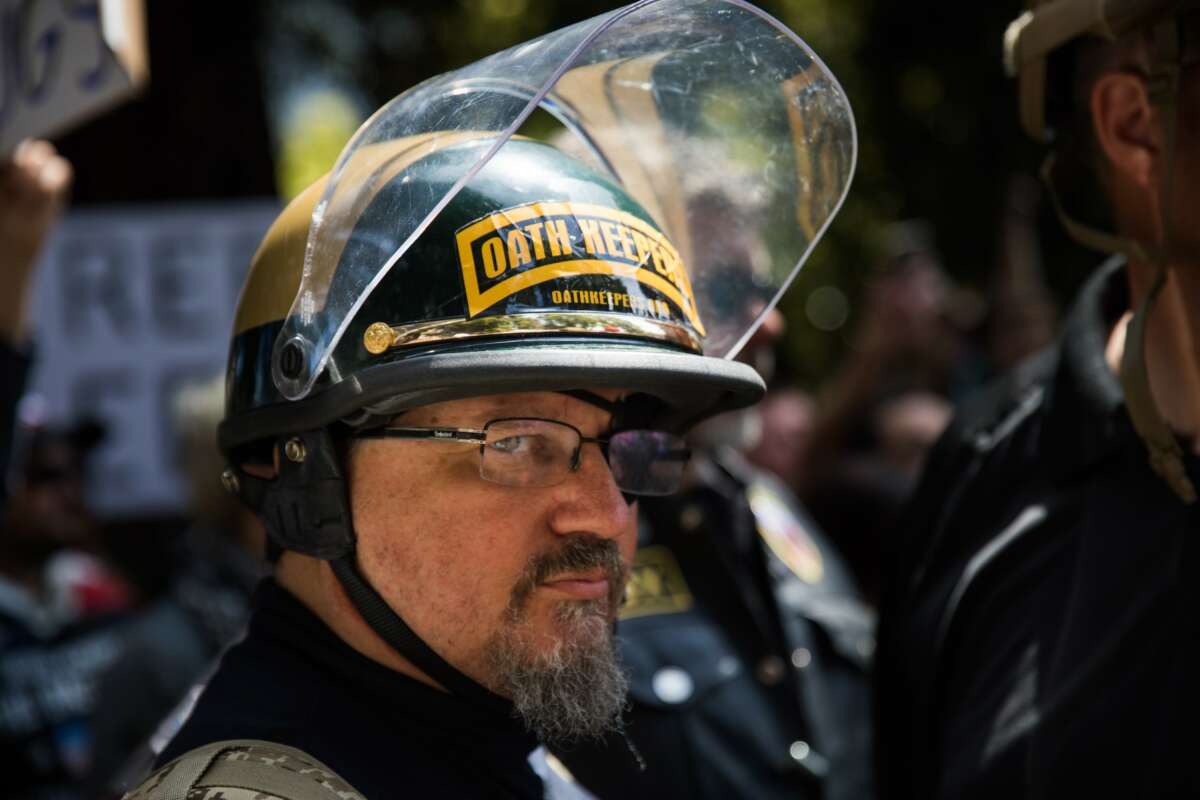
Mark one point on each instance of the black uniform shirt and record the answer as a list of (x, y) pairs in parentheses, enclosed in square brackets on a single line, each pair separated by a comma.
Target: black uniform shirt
[(293, 681), (746, 680), (1042, 639)]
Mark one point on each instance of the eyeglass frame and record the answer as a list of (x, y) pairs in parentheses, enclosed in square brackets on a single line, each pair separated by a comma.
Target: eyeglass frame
[(479, 436)]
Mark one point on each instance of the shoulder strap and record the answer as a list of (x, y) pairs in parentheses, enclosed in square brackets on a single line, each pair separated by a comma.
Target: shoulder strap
[(228, 769)]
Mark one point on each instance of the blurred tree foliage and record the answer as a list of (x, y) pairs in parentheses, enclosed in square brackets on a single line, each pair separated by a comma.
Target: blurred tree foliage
[(936, 118)]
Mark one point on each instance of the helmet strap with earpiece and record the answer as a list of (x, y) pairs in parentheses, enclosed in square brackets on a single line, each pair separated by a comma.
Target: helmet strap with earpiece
[(1166, 456)]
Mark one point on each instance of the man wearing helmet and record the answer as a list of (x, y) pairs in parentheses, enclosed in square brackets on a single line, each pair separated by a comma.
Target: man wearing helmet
[(535, 490), (457, 363), (1040, 639)]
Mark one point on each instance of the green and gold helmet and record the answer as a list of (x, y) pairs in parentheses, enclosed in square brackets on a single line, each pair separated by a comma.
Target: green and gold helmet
[(541, 273), (699, 151)]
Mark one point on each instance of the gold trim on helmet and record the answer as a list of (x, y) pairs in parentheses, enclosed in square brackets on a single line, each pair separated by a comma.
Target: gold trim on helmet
[(381, 337)]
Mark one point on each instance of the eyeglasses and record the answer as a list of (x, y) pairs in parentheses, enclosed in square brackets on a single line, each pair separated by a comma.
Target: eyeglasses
[(529, 451)]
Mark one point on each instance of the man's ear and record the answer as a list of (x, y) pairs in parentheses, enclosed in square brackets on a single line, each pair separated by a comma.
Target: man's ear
[(260, 470), (1127, 128)]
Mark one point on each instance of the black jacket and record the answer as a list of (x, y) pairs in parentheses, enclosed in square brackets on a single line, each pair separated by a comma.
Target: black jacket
[(293, 681), (1041, 639), (747, 649)]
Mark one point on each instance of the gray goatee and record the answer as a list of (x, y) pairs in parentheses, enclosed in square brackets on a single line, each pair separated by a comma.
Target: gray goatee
[(576, 689)]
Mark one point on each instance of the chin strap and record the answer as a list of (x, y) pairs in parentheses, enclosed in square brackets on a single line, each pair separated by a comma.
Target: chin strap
[(400, 637), (1086, 234), (306, 508), (1165, 454)]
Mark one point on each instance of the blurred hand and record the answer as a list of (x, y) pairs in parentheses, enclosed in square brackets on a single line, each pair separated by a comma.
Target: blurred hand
[(34, 185)]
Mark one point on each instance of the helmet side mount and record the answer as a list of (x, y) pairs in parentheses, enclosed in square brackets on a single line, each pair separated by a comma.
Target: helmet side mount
[(305, 508)]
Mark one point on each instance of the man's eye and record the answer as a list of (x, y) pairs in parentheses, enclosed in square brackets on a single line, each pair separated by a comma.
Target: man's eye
[(528, 446), (511, 444)]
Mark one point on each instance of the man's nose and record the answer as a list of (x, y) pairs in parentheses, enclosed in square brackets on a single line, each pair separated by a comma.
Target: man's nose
[(589, 500)]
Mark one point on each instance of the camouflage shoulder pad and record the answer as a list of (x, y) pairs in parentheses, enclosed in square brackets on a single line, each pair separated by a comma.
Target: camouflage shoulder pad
[(244, 769)]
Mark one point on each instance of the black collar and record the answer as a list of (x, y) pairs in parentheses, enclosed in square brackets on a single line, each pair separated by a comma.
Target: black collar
[(440, 714), (1086, 419)]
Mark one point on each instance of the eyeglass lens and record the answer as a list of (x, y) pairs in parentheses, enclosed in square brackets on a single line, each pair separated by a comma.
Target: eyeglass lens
[(534, 452), (527, 452), (647, 462)]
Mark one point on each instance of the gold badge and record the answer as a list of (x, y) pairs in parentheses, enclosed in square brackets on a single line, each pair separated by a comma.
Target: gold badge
[(521, 247), (785, 535), (656, 585)]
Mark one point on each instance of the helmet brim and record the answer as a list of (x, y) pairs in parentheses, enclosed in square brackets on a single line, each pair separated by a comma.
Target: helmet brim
[(691, 387)]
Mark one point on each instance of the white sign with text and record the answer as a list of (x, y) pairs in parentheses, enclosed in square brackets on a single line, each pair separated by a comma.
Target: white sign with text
[(64, 62), (129, 304)]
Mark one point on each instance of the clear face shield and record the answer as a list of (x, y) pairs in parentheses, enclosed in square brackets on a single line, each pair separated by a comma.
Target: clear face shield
[(726, 129)]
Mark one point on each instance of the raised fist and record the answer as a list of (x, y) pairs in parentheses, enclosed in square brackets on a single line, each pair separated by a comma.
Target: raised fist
[(34, 184)]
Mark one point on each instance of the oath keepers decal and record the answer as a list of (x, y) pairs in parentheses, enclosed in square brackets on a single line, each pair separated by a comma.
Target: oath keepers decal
[(568, 243)]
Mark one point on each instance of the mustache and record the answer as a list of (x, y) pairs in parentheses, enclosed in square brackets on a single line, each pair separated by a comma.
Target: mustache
[(579, 552)]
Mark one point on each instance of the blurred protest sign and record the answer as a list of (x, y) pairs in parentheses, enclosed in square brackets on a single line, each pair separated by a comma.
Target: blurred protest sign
[(64, 62), (130, 303)]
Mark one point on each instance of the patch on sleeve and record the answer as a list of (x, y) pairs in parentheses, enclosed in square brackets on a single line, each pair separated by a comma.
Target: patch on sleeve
[(656, 585), (784, 533)]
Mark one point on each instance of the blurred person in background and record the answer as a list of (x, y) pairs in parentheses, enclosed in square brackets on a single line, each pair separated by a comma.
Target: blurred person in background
[(923, 344), (59, 606), (746, 641), (1040, 635), (866, 483), (61, 619), (34, 184), (173, 643), (787, 417), (52, 543), (881, 411)]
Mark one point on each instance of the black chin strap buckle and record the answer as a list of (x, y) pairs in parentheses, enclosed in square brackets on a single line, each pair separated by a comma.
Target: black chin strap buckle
[(307, 508), (392, 628)]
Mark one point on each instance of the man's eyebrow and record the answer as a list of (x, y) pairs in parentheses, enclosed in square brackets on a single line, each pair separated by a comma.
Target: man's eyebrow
[(502, 405), (492, 407)]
